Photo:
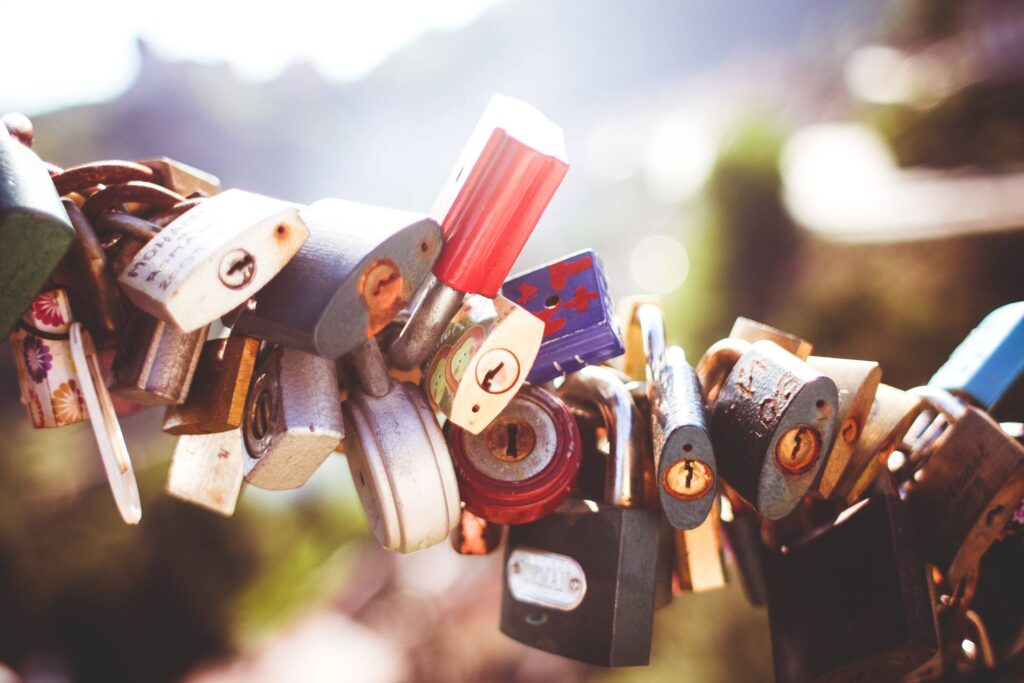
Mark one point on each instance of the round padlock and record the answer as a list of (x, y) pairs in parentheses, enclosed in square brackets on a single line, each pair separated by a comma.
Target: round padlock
[(521, 466)]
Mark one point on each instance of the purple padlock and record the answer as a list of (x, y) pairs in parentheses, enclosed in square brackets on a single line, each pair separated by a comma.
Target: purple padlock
[(571, 296)]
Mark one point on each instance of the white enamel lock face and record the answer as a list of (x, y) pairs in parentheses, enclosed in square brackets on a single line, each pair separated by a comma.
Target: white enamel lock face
[(545, 579), (105, 426)]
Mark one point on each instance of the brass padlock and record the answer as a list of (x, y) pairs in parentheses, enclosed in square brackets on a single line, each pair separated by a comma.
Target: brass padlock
[(773, 419), (968, 488), (216, 399), (207, 470), (699, 560), (292, 419), (213, 258), (483, 358), (633, 361), (752, 331), (182, 178), (857, 381), (892, 413)]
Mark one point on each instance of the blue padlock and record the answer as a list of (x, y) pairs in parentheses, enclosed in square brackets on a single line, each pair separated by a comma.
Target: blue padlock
[(989, 360), (571, 296)]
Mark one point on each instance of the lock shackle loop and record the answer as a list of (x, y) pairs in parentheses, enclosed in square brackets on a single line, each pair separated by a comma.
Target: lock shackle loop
[(941, 401), (134, 191), (601, 388), (716, 364), (84, 176), (126, 223), (438, 303), (372, 369), (171, 214), (986, 652), (652, 336)]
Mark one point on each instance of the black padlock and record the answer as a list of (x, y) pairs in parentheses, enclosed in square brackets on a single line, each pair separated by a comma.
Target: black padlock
[(853, 602), (581, 582)]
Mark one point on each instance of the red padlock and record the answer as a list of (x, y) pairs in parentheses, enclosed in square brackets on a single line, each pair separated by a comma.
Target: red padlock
[(502, 183), (521, 467)]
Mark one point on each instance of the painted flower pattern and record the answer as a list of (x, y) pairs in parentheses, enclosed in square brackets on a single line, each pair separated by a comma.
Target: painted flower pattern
[(68, 403), (38, 359), (47, 310)]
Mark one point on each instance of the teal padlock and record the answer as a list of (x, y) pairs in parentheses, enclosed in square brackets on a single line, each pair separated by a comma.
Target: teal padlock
[(35, 231)]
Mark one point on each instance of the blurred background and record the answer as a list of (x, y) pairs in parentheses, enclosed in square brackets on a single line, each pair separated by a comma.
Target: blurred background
[(848, 171)]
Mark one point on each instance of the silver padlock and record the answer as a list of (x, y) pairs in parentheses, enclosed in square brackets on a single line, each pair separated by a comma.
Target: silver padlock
[(155, 361), (292, 419), (359, 268), (207, 470), (398, 457)]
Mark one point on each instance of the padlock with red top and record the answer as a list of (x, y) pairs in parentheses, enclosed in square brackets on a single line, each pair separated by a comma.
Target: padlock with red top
[(502, 183)]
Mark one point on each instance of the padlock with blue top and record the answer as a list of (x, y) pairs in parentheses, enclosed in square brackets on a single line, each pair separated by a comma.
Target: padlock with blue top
[(571, 296)]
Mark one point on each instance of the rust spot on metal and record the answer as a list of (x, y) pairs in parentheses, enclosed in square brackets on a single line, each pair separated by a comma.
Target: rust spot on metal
[(383, 290), (79, 178), (850, 430), (510, 439)]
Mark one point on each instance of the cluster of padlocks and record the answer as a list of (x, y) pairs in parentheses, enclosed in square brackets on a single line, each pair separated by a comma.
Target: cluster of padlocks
[(614, 472)]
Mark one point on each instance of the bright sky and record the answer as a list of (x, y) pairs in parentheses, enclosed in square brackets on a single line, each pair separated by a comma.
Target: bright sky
[(57, 52)]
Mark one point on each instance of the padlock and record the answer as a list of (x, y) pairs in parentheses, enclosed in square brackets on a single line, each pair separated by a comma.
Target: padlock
[(155, 360), (50, 389), (523, 464), (182, 178), (484, 357), (501, 184), (213, 258), (773, 419), (752, 331), (86, 179), (360, 266), (207, 470), (34, 229), (968, 488), (398, 458), (699, 561), (571, 296), (857, 382), (683, 456), (475, 535), (101, 298), (892, 413), (853, 603), (581, 582), (216, 398), (989, 360), (292, 419), (633, 362)]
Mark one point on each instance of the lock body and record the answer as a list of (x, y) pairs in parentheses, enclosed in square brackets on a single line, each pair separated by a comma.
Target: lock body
[(698, 561), (989, 360), (360, 266), (966, 491), (213, 258), (216, 398), (181, 178), (34, 229), (687, 472), (207, 470), (892, 413), (752, 331), (49, 384), (292, 419), (572, 297), (581, 583), (501, 184), (155, 361), (854, 602), (857, 382), (401, 466), (521, 466), (483, 358), (773, 420)]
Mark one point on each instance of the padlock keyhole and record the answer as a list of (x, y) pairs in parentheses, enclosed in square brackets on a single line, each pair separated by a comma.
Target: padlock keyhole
[(490, 375), (511, 449)]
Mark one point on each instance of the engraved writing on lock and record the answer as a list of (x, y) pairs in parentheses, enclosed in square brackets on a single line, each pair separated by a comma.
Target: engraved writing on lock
[(546, 579)]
